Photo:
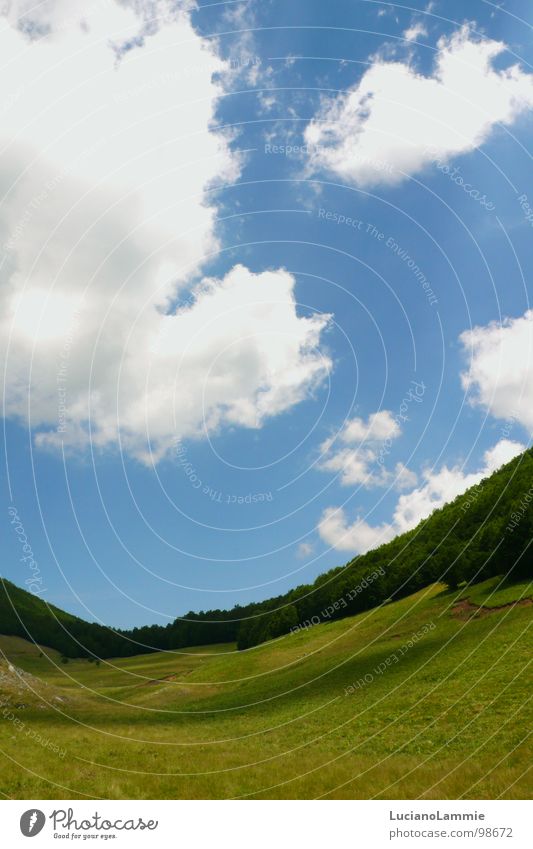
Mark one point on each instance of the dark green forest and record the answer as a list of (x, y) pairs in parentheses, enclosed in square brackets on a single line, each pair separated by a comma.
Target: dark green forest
[(486, 531)]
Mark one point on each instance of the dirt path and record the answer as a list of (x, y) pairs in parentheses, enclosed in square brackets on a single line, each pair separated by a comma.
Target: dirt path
[(464, 609)]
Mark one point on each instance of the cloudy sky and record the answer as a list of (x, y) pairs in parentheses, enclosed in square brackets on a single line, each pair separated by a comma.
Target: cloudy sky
[(264, 283)]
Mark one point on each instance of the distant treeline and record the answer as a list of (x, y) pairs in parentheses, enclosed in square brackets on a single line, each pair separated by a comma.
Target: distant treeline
[(484, 532)]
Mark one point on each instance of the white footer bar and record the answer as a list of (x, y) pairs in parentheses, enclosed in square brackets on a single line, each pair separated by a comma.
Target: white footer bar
[(267, 824)]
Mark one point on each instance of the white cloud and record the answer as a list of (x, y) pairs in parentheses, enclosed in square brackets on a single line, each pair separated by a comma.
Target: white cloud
[(404, 478), (414, 32), (360, 461), (266, 102), (108, 153), (500, 377), (304, 550), (438, 489), (443, 486), (358, 537), (377, 428), (353, 465), (237, 355), (245, 66), (395, 121)]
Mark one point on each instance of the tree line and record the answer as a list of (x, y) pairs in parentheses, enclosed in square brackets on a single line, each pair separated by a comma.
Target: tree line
[(484, 532)]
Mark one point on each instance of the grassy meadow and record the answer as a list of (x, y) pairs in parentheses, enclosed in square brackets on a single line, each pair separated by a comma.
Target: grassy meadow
[(427, 697)]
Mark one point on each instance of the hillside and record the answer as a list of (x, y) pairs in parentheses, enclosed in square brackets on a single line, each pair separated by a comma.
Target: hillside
[(486, 531), (425, 697), (23, 614)]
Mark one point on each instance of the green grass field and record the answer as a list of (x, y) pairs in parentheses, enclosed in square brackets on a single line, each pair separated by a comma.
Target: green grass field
[(444, 717)]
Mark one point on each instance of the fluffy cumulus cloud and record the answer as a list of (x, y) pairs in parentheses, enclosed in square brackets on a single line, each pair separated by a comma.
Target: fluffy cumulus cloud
[(395, 120), (500, 374), (359, 450), (359, 536), (437, 489), (415, 31), (108, 156)]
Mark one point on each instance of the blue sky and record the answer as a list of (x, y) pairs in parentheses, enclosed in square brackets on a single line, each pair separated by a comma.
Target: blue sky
[(302, 231)]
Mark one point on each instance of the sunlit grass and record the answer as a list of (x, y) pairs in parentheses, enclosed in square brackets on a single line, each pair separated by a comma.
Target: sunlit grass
[(447, 719)]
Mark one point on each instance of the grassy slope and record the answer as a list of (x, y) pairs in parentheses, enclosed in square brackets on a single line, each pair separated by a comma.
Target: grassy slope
[(27, 606), (470, 537), (495, 593), (447, 720)]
